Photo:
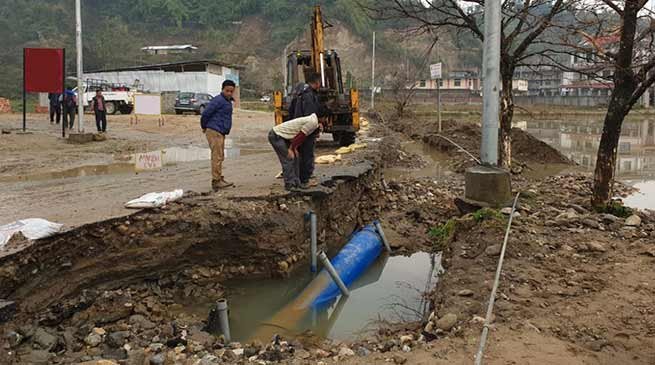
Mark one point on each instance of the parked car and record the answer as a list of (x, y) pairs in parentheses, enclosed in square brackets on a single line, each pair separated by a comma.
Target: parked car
[(191, 102), (265, 99)]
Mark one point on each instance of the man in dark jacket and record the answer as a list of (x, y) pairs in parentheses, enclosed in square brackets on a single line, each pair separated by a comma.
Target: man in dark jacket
[(99, 107), (305, 104), (216, 122), (55, 106)]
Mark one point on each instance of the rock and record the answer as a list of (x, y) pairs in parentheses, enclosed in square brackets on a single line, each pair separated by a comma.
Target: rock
[(321, 354), (136, 357), (397, 359), (283, 207), (99, 331), (303, 354), (591, 223), (406, 339), (633, 221), (36, 357), (156, 347), (429, 327), (406, 348), (363, 351), (13, 338), (93, 339), (98, 362), (45, 340), (283, 265), (506, 210), (115, 354), (578, 209), (208, 360), (465, 293), (7, 310), (158, 359), (238, 352), (141, 322), (493, 250), (346, 352), (447, 322), (609, 218), (117, 339), (596, 246)]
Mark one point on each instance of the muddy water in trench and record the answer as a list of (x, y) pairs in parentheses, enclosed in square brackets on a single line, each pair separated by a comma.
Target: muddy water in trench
[(435, 159), (579, 139), (390, 290)]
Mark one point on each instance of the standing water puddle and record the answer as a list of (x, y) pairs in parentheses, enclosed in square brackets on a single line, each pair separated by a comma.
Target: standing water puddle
[(391, 290), (132, 163), (579, 140), (435, 167)]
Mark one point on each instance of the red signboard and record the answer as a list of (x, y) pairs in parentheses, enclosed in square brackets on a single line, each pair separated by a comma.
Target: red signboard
[(44, 70)]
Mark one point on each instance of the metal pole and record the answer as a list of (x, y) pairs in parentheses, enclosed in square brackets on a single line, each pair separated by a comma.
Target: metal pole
[(333, 273), (491, 77), (63, 94), (312, 220), (492, 299), (322, 70), (223, 319), (373, 75), (378, 229), (24, 92), (80, 82), (438, 91)]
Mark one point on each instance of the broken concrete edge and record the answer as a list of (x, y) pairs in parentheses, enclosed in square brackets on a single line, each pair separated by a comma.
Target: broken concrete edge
[(81, 138)]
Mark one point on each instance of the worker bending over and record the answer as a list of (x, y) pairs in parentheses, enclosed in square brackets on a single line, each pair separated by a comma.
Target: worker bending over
[(286, 138)]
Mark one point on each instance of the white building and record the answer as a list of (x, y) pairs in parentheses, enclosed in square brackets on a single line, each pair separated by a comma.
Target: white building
[(203, 76), (164, 50)]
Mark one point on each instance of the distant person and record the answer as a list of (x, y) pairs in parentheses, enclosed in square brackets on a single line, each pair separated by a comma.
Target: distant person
[(304, 104), (216, 123), (286, 138), (70, 107), (100, 109), (55, 107)]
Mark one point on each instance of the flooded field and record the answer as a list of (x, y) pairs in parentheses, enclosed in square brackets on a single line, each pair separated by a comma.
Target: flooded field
[(579, 139)]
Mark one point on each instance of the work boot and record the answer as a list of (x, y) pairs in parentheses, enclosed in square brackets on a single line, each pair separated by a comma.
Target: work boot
[(220, 184), (227, 184)]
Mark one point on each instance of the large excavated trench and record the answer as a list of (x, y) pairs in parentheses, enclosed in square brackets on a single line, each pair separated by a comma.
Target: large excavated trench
[(202, 236)]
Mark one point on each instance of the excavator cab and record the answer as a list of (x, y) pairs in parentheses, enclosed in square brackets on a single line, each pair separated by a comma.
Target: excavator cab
[(342, 105)]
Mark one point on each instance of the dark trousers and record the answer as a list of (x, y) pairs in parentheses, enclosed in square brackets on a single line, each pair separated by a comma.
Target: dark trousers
[(69, 117), (289, 166), (307, 157), (101, 120), (55, 110)]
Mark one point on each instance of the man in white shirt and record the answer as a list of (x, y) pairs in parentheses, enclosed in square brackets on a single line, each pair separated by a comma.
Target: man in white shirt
[(286, 138)]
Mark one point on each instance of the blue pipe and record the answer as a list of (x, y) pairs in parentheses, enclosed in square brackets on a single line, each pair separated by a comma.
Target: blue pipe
[(351, 262)]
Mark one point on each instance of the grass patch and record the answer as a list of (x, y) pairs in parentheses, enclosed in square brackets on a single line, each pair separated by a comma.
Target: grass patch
[(486, 214), (443, 233), (617, 208)]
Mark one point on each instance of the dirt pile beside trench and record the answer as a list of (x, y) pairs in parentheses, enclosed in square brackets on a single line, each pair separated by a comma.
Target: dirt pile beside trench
[(526, 149)]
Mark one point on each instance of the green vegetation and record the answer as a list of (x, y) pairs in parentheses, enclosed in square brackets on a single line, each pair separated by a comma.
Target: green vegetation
[(443, 233), (616, 207), (114, 31), (486, 214)]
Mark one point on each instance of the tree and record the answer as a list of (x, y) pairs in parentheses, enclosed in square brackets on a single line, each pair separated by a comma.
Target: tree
[(523, 24), (616, 45)]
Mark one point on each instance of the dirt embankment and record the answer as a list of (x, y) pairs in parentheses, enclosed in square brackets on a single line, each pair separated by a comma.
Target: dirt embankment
[(527, 150)]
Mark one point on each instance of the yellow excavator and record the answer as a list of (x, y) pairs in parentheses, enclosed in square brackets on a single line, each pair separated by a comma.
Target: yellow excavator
[(342, 105)]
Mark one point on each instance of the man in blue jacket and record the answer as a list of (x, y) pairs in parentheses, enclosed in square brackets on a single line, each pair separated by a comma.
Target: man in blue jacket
[(216, 122)]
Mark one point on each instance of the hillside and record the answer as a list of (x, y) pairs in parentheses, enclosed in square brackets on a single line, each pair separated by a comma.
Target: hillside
[(251, 33)]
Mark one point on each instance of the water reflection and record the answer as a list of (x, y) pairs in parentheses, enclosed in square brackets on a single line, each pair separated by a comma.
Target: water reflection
[(390, 290), (579, 140)]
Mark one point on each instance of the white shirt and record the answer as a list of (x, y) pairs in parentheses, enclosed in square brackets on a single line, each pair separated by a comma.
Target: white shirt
[(290, 129)]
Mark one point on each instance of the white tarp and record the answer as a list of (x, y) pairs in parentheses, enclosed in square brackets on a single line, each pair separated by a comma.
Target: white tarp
[(154, 200), (32, 228)]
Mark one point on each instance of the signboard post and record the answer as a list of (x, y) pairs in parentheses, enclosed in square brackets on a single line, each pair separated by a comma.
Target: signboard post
[(435, 74), (44, 70)]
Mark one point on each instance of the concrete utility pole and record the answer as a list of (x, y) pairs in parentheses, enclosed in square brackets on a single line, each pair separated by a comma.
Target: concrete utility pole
[(491, 77), (373, 75), (80, 82)]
